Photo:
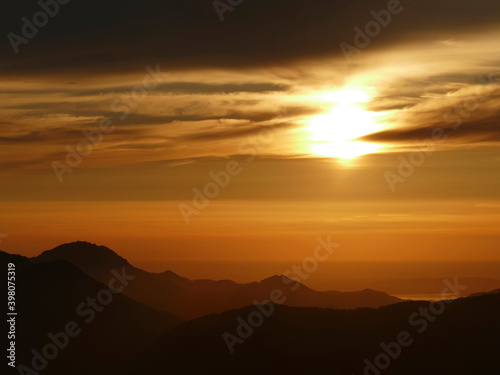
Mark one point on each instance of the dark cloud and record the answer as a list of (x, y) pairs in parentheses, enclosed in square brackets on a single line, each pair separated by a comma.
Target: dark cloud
[(193, 88), (108, 36), (472, 117), (57, 136), (236, 132), (457, 129), (82, 111), (141, 146)]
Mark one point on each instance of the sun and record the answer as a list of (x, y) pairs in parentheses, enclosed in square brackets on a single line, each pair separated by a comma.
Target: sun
[(334, 134)]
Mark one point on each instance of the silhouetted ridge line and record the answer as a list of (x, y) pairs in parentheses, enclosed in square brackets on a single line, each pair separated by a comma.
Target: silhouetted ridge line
[(190, 299)]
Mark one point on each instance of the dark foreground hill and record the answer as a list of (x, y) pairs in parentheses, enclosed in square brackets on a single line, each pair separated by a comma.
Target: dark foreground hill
[(462, 339), (189, 299), (71, 333)]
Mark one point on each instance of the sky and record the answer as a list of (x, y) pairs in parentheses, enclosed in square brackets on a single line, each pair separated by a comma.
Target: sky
[(171, 130)]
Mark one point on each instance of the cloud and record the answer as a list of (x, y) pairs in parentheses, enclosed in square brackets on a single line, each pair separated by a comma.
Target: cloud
[(466, 118), (230, 80), (243, 131), (90, 36)]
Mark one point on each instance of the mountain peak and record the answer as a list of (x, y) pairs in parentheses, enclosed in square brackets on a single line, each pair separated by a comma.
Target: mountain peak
[(276, 280), (82, 253), (172, 276)]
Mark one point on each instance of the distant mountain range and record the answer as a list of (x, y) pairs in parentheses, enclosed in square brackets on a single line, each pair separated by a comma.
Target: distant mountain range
[(122, 333), (190, 299)]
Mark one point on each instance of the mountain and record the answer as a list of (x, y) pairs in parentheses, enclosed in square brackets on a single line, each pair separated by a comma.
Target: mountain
[(462, 339), (427, 285), (496, 291), (190, 299), (122, 336), (85, 256), (109, 328)]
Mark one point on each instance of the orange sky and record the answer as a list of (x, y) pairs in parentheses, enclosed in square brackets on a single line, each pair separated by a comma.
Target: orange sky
[(289, 124), (258, 230)]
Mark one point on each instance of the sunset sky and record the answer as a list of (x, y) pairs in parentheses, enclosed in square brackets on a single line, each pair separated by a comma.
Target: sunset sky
[(318, 140)]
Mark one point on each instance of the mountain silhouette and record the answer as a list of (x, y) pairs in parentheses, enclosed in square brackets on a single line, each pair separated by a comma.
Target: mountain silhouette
[(128, 337), (429, 285), (496, 291), (189, 299), (84, 255), (462, 340), (52, 294)]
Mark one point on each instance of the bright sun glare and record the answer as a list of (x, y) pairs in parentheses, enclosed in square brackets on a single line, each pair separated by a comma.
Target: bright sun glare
[(334, 133)]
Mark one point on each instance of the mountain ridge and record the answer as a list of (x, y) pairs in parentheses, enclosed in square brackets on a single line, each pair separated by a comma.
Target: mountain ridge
[(110, 327), (167, 291)]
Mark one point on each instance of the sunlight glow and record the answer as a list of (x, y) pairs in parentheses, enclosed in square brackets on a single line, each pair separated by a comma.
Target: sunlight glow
[(347, 96), (333, 133), (344, 150)]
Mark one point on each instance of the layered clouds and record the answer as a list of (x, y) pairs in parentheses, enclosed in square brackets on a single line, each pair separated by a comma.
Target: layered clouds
[(246, 89), (430, 66)]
